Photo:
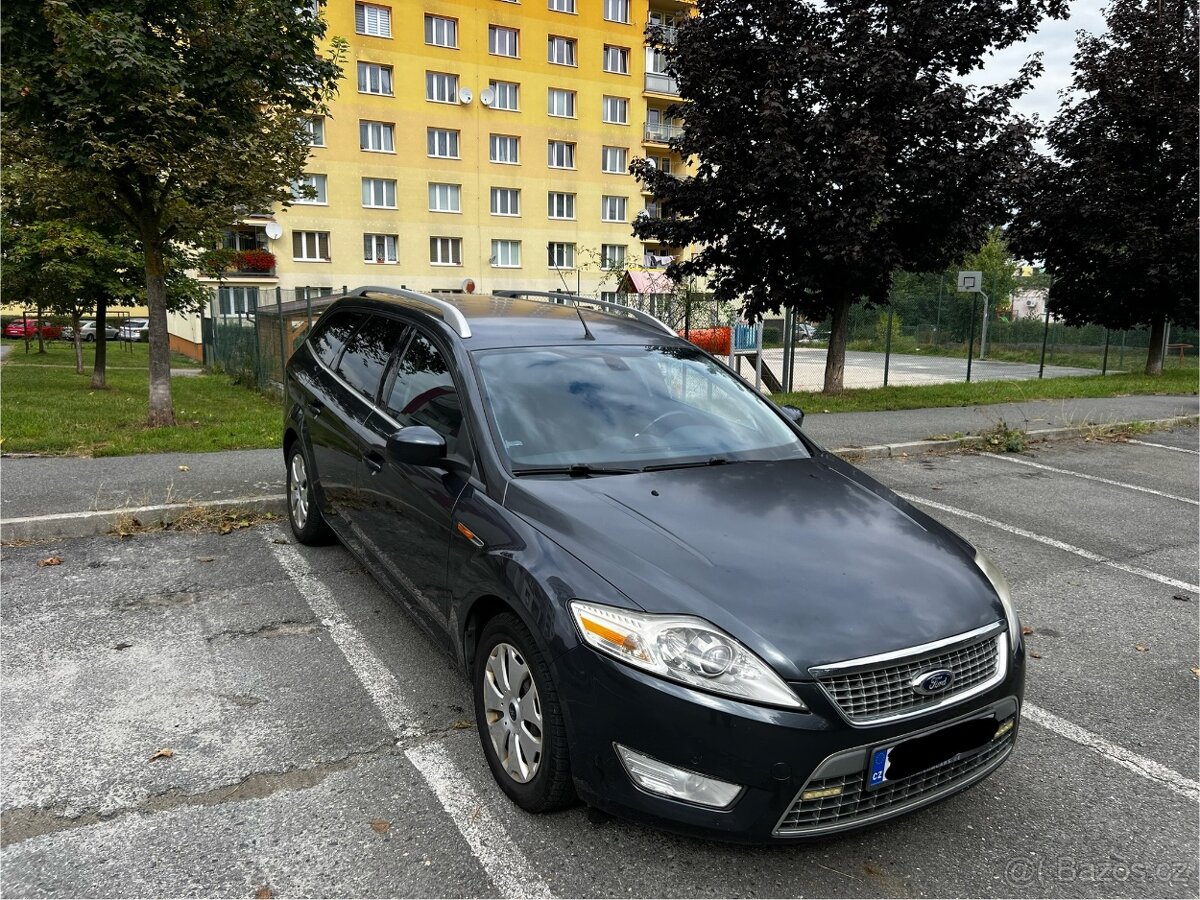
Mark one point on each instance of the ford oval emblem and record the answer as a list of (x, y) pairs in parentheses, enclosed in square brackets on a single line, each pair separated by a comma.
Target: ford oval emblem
[(935, 682)]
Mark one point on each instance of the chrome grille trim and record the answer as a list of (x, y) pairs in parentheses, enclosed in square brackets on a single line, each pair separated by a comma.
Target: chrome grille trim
[(877, 689)]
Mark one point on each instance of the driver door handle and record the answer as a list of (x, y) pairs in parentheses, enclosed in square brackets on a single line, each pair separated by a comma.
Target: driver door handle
[(374, 462)]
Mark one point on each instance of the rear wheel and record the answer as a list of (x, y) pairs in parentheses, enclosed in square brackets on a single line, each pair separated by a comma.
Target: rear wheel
[(308, 525), (519, 718)]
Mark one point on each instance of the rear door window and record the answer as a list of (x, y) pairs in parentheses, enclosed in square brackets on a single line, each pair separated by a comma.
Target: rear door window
[(367, 354), (331, 337)]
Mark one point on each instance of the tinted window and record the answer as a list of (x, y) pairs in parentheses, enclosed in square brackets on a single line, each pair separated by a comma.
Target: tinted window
[(368, 352), (331, 337), (423, 392)]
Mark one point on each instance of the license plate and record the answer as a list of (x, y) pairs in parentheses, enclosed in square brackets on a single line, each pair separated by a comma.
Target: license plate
[(907, 758)]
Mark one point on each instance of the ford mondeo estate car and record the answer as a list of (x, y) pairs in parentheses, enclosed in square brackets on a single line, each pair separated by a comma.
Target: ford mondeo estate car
[(669, 601)]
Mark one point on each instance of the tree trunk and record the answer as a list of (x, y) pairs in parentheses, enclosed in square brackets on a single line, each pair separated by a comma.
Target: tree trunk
[(1154, 357), (161, 411), (77, 340), (101, 345), (835, 357), (41, 325)]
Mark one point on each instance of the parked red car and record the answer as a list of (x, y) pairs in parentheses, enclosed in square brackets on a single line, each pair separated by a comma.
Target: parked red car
[(28, 328)]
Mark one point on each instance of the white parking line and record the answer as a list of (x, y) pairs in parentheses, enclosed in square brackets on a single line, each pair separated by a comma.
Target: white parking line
[(1147, 768), (500, 858), (1164, 447), (1058, 545), (1121, 484), (508, 868)]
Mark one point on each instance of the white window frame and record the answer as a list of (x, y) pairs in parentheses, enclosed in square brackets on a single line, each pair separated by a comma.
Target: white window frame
[(372, 182), (616, 59), (511, 36), (495, 141), (560, 255), (506, 91), (506, 254), (441, 87), (434, 138), (567, 48), (604, 160), (560, 103), (375, 20), (381, 134), (616, 11), (554, 158), (607, 261), (442, 31), (443, 250), (562, 6), (505, 201), (320, 183), (389, 243), (379, 70), (317, 238), (619, 105), (445, 197), (614, 208), (560, 205), (316, 131)]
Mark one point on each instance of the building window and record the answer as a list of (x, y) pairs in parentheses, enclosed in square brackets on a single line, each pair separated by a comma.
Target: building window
[(506, 254), (445, 251), (310, 246), (563, 6), (238, 301), (379, 248), (316, 131), (441, 87), (561, 103), (561, 155), (443, 143), (561, 256), (379, 193), (617, 11), (616, 60), (616, 111), (613, 160), (445, 197), (441, 32), (507, 95), (506, 202), (502, 41), (561, 50), (612, 209), (312, 293), (374, 79), (313, 186), (662, 163), (373, 20), (504, 148), (379, 137), (612, 256), (560, 205)]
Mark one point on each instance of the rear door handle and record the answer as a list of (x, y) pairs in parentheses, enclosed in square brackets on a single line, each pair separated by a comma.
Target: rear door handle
[(373, 461)]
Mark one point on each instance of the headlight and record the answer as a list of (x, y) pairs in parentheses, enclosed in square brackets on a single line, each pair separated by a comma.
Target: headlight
[(683, 649), (1000, 583)]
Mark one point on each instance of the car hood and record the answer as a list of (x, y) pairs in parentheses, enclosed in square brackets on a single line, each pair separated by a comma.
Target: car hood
[(806, 561)]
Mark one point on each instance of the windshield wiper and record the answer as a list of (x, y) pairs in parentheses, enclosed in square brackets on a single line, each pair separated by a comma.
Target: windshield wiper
[(576, 470), (693, 464)]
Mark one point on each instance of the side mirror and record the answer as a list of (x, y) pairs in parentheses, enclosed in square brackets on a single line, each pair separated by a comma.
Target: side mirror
[(795, 413), (417, 445)]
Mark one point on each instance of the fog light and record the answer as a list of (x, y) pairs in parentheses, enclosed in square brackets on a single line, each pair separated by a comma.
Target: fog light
[(1005, 727), (822, 793), (668, 781)]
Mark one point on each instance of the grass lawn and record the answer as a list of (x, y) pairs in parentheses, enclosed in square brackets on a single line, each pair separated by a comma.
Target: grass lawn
[(46, 408), (1172, 381)]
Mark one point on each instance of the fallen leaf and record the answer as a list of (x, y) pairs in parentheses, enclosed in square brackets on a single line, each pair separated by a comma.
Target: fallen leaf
[(380, 826), (463, 724), (1025, 629), (50, 561), (1196, 671), (122, 646), (280, 541), (1184, 597), (183, 468), (1141, 648), (263, 893), (205, 558), (164, 753), (1035, 654)]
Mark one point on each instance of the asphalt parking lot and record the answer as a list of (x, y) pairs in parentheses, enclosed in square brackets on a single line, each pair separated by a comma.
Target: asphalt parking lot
[(321, 746)]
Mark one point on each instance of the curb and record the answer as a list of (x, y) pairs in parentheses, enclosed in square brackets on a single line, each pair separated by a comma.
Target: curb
[(102, 521), (920, 448)]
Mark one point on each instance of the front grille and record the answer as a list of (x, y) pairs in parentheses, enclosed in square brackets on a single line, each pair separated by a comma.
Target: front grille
[(856, 804), (870, 694)]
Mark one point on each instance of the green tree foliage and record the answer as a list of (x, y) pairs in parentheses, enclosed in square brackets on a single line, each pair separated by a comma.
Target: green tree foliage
[(1113, 212), (835, 145), (177, 116)]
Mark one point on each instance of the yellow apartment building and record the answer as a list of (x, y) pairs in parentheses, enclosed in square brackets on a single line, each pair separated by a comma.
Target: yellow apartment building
[(474, 145)]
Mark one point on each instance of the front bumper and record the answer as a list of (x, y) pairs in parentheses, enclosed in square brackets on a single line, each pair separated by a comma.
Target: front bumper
[(776, 754)]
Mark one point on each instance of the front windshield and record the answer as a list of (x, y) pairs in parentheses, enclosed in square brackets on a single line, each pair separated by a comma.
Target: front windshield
[(625, 407)]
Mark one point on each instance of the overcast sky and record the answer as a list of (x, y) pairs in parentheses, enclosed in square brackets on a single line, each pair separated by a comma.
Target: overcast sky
[(1056, 41)]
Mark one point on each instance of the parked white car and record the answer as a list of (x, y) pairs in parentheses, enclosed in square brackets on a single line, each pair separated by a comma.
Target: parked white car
[(135, 330)]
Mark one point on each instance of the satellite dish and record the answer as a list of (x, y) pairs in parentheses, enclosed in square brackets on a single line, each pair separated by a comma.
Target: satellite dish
[(468, 285), (487, 97), (464, 95), (274, 230)]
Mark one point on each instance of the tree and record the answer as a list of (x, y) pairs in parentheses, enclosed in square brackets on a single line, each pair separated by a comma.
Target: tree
[(999, 270), (179, 115), (1113, 213), (834, 145)]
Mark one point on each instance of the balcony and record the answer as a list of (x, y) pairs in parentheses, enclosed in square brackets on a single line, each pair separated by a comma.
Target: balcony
[(661, 133), (660, 83), (661, 35)]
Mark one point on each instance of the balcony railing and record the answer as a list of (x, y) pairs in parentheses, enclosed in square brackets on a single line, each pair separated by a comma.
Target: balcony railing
[(662, 84), (661, 35), (661, 133)]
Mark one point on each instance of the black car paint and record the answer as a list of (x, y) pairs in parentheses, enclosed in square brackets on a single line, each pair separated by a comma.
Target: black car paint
[(611, 539)]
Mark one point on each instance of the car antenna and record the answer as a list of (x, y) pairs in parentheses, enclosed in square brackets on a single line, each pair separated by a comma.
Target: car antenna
[(587, 332)]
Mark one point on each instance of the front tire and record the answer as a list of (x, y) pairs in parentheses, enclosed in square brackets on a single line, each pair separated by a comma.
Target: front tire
[(519, 718), (308, 525)]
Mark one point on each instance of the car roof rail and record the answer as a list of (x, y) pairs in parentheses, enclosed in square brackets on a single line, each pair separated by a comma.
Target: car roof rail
[(605, 306), (450, 313)]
